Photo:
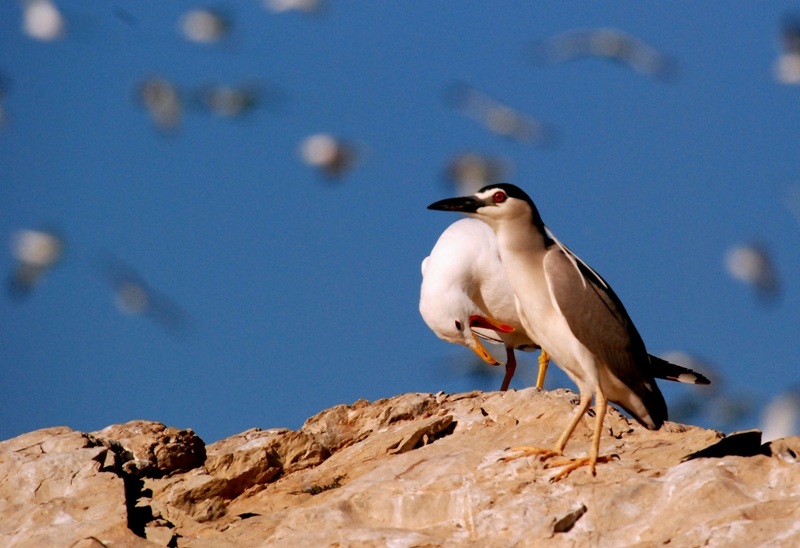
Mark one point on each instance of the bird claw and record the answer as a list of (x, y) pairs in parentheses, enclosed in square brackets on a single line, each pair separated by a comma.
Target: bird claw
[(570, 465), (525, 451)]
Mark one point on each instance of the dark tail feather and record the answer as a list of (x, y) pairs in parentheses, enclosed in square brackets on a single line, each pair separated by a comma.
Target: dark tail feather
[(662, 369)]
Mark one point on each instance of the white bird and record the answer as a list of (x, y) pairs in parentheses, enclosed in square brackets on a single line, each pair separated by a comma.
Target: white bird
[(465, 295), (572, 313)]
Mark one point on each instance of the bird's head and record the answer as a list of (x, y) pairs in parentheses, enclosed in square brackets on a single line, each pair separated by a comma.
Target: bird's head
[(495, 204), (469, 330)]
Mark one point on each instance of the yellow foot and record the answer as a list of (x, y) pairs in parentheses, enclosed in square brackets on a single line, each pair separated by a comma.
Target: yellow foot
[(573, 464), (530, 452)]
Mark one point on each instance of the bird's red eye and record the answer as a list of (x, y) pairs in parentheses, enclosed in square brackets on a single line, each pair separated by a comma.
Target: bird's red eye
[(499, 197)]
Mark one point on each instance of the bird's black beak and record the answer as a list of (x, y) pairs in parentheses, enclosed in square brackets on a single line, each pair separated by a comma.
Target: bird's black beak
[(465, 204)]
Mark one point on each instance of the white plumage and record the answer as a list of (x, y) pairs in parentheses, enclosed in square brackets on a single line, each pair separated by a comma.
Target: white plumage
[(465, 294)]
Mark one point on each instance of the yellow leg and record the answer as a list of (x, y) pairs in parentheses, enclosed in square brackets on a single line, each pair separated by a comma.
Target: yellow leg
[(601, 405), (583, 407), (593, 458), (544, 361), (558, 450)]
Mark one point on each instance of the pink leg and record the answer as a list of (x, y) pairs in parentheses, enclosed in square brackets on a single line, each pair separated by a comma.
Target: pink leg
[(511, 367)]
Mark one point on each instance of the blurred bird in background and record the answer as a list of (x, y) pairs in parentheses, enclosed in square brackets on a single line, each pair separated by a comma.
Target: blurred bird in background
[(230, 101), (36, 253), (752, 265), (331, 156), (496, 116), (605, 43), (162, 101), (781, 416), (204, 26), (787, 66), (471, 171), (42, 20), (304, 6), (134, 297)]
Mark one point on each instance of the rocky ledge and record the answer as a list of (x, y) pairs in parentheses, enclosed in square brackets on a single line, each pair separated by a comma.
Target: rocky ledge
[(413, 470)]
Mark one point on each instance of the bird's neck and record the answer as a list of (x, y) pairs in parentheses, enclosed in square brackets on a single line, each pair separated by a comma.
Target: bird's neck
[(522, 237)]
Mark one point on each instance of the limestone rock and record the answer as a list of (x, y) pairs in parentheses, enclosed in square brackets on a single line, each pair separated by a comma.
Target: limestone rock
[(344, 425), (52, 489), (150, 449), (257, 456), (414, 470)]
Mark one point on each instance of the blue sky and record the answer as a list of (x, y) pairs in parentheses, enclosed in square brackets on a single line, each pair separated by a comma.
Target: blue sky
[(301, 292)]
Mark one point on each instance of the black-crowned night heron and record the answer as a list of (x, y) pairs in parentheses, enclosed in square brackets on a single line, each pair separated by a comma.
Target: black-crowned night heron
[(572, 313)]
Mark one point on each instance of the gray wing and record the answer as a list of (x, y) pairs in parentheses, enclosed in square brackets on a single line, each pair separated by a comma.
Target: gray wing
[(597, 318)]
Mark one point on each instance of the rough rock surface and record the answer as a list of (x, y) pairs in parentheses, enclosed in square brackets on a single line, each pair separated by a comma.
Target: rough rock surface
[(414, 470)]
